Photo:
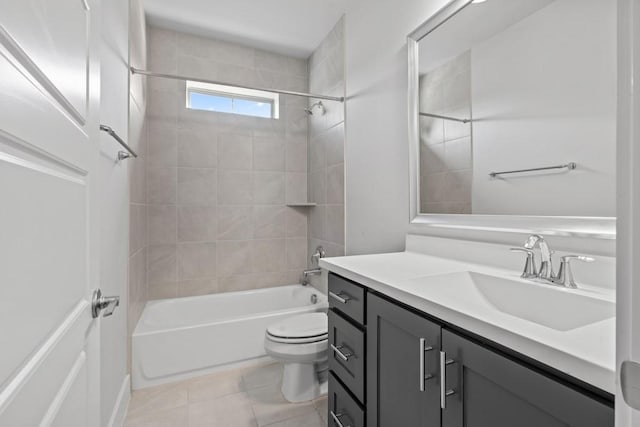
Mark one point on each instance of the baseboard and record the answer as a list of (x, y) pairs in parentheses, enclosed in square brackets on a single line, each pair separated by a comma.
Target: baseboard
[(122, 403)]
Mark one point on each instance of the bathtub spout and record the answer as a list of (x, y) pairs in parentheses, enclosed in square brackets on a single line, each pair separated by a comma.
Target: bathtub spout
[(312, 272), (307, 273)]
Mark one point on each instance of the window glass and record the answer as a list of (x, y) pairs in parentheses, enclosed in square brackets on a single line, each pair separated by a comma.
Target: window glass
[(229, 99)]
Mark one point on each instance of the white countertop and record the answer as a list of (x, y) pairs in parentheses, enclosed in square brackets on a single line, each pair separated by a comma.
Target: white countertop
[(586, 353)]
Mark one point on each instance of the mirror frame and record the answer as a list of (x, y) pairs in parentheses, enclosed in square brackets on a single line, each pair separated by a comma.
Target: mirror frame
[(566, 226)]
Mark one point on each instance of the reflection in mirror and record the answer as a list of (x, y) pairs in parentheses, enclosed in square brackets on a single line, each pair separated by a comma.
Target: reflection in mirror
[(517, 110)]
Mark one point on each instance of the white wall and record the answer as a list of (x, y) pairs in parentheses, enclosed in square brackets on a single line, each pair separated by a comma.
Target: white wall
[(544, 93), (376, 147), (114, 199)]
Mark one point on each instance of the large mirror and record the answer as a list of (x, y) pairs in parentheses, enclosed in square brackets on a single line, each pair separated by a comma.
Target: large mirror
[(513, 114)]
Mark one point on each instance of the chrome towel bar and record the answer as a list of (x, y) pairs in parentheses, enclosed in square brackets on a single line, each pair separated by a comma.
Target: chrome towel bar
[(568, 166), (121, 154)]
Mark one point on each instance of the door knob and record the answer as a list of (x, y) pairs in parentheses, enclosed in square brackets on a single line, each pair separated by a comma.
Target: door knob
[(102, 304)]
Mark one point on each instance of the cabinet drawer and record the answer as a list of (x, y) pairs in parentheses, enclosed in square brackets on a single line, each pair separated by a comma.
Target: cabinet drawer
[(347, 297), (346, 353), (342, 406)]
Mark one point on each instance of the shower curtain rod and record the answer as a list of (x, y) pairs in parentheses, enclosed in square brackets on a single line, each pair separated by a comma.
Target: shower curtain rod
[(195, 79)]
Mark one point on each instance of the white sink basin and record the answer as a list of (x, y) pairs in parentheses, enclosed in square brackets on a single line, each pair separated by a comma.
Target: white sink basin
[(478, 294)]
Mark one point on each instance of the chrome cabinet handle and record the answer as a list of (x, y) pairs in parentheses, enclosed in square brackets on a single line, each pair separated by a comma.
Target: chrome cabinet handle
[(423, 348), (444, 393), (336, 419), (340, 297), (338, 350)]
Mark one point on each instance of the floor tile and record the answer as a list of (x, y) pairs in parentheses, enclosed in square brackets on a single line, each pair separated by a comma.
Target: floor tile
[(227, 411), (270, 406), (174, 417), (149, 400), (262, 376), (322, 406), (310, 420), (215, 385)]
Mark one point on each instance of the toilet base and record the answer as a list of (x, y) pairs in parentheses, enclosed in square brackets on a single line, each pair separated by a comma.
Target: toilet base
[(301, 383)]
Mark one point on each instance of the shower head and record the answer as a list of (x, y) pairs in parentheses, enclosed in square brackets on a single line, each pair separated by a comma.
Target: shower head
[(318, 104)]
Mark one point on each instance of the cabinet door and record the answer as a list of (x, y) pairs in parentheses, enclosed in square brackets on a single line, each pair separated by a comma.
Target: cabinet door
[(402, 367), (489, 390)]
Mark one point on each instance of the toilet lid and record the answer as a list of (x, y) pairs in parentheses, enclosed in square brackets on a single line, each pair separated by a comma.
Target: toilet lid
[(308, 326)]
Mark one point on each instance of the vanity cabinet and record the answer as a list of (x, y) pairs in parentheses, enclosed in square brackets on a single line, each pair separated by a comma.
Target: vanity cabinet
[(347, 353), (394, 376), (482, 386), (489, 389), (402, 366)]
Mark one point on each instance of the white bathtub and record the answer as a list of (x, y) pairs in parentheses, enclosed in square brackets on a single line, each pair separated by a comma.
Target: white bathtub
[(184, 337)]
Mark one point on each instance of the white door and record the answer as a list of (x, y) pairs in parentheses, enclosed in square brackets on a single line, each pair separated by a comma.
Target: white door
[(628, 213), (49, 101), (114, 207)]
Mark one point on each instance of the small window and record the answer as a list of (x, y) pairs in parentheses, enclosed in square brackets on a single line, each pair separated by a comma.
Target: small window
[(229, 99)]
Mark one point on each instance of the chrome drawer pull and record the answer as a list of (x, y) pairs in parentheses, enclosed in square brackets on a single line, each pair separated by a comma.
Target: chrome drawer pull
[(444, 393), (336, 419), (423, 348), (338, 350), (340, 297)]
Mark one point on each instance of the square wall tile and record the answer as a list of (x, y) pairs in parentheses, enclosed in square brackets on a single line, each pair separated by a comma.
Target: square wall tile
[(335, 185), (335, 224), (197, 146), (268, 222), (268, 188), (268, 255), (188, 288), (162, 144), (234, 257), (268, 156), (161, 185), (296, 222), (235, 152), (234, 222), (296, 254), (196, 261), (162, 224), (296, 156), (162, 263), (235, 188), (197, 186), (197, 223), (296, 187)]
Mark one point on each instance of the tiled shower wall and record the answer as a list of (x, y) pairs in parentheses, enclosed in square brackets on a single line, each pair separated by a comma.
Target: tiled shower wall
[(217, 184), (446, 167), (326, 146)]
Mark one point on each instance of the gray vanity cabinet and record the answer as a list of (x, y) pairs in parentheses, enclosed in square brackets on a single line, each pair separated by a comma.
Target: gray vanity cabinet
[(402, 367), (489, 390)]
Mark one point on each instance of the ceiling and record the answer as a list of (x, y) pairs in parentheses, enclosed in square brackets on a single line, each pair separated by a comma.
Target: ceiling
[(290, 27)]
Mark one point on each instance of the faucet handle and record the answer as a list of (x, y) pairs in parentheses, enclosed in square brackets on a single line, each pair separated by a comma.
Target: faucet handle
[(568, 258), (565, 275), (529, 265)]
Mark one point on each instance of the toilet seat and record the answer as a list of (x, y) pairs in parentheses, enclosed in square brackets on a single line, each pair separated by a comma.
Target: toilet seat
[(300, 329)]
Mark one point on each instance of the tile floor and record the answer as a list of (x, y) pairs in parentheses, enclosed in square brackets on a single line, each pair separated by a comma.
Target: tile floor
[(247, 397)]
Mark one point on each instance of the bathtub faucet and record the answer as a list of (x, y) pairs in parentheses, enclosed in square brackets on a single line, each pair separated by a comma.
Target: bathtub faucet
[(311, 272)]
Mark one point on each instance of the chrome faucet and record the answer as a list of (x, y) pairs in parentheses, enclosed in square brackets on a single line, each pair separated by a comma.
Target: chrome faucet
[(546, 273), (315, 259), (546, 265)]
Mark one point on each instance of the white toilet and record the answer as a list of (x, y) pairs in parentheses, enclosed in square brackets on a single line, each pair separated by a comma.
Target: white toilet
[(300, 342)]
